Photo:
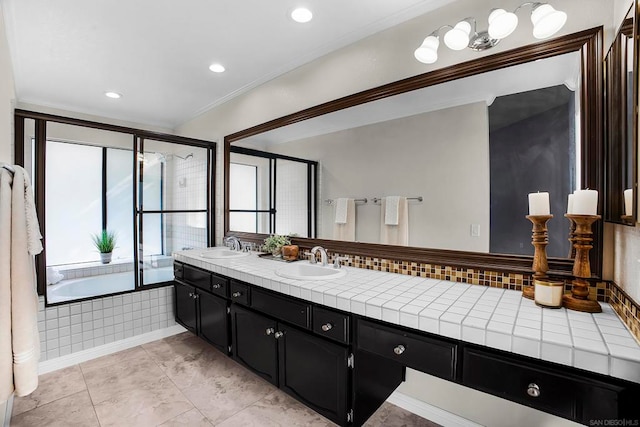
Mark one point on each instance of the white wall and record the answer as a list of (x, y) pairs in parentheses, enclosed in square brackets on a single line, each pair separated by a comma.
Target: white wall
[(363, 162), (7, 98), (371, 62)]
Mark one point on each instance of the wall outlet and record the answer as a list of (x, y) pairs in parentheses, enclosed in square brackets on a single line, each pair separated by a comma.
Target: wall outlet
[(475, 230)]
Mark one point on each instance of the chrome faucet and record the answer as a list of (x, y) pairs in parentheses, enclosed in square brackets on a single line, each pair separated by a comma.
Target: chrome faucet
[(337, 259), (233, 243), (323, 255)]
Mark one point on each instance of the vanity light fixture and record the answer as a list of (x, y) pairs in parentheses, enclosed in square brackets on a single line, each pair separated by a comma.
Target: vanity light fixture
[(546, 22), (301, 15), (113, 95)]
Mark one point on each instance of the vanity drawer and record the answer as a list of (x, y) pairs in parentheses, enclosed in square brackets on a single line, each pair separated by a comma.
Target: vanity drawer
[(331, 324), (177, 271), (196, 277), (432, 356), (528, 385), (282, 308), (239, 292), (219, 286)]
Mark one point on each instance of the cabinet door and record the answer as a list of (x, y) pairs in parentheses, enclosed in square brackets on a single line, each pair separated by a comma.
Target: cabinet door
[(254, 343), (214, 321), (315, 372), (185, 306)]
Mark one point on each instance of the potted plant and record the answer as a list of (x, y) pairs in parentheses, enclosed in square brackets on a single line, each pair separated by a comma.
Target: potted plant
[(274, 244), (105, 242)]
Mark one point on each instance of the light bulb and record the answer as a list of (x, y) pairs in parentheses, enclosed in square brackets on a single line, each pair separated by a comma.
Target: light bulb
[(547, 21), (457, 38), (301, 15), (501, 23), (427, 53)]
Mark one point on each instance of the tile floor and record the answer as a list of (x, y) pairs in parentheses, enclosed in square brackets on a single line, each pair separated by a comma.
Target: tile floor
[(176, 381)]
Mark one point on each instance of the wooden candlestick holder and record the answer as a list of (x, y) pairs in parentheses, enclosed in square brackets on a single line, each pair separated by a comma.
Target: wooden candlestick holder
[(579, 298), (539, 240)]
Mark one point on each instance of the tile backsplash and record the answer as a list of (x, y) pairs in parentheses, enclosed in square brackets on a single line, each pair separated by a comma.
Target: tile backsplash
[(73, 327)]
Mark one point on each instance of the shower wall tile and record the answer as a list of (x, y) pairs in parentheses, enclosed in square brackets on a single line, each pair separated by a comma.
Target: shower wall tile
[(79, 326)]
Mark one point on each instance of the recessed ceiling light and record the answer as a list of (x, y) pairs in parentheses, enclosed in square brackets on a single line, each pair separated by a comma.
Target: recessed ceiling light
[(301, 15), (217, 68), (114, 95)]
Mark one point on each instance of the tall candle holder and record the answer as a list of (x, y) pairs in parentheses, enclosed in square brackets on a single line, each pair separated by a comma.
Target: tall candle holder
[(579, 298), (539, 240)]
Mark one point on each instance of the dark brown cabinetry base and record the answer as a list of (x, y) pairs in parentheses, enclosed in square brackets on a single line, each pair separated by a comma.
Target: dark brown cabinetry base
[(345, 366)]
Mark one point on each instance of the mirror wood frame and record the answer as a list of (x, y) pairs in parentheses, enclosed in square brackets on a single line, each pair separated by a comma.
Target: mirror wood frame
[(590, 45)]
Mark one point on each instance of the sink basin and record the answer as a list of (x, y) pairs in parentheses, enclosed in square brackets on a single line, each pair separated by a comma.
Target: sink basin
[(222, 253), (299, 271)]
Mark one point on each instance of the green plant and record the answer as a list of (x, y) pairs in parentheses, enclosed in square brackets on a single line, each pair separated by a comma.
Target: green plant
[(274, 242), (105, 241)]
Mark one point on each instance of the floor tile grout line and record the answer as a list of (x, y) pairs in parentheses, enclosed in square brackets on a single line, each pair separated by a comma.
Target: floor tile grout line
[(93, 406)]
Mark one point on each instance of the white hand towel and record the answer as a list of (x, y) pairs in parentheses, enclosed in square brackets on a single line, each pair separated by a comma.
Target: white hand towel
[(346, 231), (395, 234), (53, 276), (342, 207), (391, 210)]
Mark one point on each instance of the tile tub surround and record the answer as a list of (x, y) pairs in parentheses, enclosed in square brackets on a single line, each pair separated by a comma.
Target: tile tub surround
[(494, 317), (69, 328), (78, 271)]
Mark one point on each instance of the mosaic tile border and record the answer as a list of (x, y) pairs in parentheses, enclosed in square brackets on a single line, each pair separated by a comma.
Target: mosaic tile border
[(626, 308)]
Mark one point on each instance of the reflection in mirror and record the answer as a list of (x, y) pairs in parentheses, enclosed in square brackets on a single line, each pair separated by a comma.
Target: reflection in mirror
[(472, 148), (272, 194), (621, 127)]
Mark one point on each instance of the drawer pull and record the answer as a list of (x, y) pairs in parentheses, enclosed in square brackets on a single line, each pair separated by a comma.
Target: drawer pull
[(216, 286), (236, 294), (327, 327), (278, 334), (399, 349), (269, 331), (190, 294), (533, 390)]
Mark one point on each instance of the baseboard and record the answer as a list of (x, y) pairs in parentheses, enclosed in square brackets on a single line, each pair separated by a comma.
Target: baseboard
[(430, 412), (103, 350), (5, 411)]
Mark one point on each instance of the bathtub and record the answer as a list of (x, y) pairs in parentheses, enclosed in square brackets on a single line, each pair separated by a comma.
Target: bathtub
[(73, 289)]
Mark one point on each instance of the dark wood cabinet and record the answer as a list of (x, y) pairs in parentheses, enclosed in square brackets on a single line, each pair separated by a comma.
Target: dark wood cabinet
[(185, 306), (314, 371), (254, 342)]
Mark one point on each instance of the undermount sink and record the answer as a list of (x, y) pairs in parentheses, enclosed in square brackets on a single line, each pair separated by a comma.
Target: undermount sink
[(222, 253), (299, 271)]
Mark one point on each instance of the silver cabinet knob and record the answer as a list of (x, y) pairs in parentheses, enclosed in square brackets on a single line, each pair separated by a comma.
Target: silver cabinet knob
[(278, 334), (533, 390), (236, 294), (196, 296), (190, 294), (269, 331), (327, 327), (216, 286), (399, 349)]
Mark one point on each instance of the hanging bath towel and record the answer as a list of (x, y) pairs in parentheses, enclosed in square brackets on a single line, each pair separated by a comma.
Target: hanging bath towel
[(394, 223), (344, 226), (19, 242)]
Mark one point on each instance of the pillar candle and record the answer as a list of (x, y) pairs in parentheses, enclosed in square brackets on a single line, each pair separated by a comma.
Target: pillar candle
[(628, 202), (585, 202), (539, 204), (570, 204)]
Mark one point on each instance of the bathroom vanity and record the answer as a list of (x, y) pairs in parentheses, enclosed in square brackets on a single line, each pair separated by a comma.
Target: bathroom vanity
[(341, 346)]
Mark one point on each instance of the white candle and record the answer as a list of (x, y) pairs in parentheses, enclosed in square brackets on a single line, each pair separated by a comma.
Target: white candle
[(585, 202), (570, 204), (539, 204), (628, 202)]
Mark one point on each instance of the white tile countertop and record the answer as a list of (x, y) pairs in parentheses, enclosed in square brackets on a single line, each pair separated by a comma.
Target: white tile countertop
[(493, 317)]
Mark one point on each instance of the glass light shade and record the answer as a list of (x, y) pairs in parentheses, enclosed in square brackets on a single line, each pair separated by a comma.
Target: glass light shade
[(457, 38), (427, 53), (547, 21), (501, 23)]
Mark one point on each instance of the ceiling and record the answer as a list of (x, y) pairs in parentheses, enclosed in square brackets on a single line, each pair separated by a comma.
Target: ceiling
[(485, 87), (67, 53)]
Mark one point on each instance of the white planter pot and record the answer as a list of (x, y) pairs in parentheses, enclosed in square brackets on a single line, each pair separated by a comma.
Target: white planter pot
[(106, 257)]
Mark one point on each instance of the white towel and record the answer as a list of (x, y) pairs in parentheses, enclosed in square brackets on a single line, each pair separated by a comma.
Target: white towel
[(395, 234), (346, 231), (391, 210), (342, 207), (53, 276)]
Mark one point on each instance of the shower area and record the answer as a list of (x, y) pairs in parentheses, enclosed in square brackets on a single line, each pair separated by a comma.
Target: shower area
[(151, 194)]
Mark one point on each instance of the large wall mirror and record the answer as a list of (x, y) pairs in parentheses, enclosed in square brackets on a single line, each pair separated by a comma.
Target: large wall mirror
[(621, 126), (464, 145)]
